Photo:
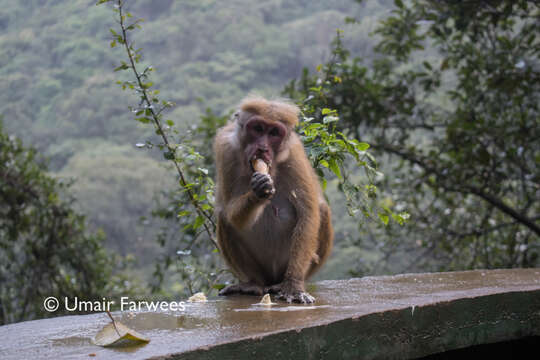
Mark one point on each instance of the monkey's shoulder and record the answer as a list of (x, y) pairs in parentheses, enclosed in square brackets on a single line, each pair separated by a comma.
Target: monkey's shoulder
[(297, 176), (226, 138)]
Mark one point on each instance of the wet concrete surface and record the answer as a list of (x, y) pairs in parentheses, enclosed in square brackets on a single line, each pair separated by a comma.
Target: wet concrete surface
[(403, 316)]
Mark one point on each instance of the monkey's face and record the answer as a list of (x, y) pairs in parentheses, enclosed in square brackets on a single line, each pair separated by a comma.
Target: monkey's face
[(263, 138)]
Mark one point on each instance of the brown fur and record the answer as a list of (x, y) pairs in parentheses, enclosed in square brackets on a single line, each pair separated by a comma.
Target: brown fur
[(272, 110), (270, 242)]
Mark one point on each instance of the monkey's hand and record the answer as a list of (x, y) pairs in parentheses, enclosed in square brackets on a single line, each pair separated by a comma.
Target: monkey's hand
[(262, 185), (291, 291)]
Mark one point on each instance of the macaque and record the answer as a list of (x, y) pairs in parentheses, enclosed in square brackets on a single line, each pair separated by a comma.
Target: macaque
[(273, 223)]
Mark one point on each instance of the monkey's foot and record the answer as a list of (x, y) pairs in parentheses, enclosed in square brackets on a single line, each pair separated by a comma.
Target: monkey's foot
[(290, 293), (299, 297), (247, 288)]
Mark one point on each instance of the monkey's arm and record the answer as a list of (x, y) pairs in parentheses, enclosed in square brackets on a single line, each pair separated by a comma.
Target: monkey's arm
[(303, 246), (244, 209), (304, 240), (239, 208)]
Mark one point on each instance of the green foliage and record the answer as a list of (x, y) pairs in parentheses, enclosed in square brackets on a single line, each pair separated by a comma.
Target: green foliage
[(45, 249), (116, 192), (452, 100), (196, 185), (326, 147), (199, 189), (58, 91), (329, 148), (188, 251), (456, 116)]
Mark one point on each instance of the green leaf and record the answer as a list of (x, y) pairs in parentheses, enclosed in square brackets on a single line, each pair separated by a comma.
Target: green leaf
[(397, 218), (362, 146), (333, 165), (198, 222), (330, 118), (143, 119), (384, 218), (124, 66), (169, 155), (326, 111)]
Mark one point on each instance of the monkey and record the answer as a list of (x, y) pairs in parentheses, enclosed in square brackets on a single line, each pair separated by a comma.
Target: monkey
[(273, 230)]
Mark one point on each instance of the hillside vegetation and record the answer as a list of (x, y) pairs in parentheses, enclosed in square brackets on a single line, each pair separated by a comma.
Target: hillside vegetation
[(420, 117), (59, 93)]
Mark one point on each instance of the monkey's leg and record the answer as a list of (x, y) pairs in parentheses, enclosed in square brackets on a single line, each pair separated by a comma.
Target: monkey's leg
[(247, 288), (326, 239), (303, 250), (241, 262)]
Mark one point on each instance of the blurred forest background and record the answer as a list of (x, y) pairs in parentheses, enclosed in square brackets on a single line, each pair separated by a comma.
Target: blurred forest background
[(447, 94)]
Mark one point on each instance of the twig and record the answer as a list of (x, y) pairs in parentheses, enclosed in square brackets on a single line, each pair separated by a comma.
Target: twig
[(159, 128), (113, 322)]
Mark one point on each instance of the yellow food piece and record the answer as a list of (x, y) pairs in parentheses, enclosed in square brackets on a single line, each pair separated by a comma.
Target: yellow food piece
[(198, 297), (266, 300), (260, 166)]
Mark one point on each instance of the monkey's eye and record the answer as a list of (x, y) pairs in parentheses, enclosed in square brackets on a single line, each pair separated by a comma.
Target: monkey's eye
[(274, 132), (258, 128)]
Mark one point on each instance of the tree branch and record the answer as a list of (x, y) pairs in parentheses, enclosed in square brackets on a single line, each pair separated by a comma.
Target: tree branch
[(159, 127), (464, 189)]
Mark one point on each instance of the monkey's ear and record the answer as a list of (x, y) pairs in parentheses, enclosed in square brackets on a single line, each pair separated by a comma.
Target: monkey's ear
[(234, 117)]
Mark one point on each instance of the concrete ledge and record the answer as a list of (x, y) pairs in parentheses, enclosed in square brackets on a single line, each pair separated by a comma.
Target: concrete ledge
[(396, 317)]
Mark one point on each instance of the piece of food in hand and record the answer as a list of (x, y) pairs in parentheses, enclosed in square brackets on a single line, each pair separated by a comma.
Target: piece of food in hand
[(260, 166), (198, 297)]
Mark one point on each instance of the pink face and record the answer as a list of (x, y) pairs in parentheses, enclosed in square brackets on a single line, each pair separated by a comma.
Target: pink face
[(263, 138)]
